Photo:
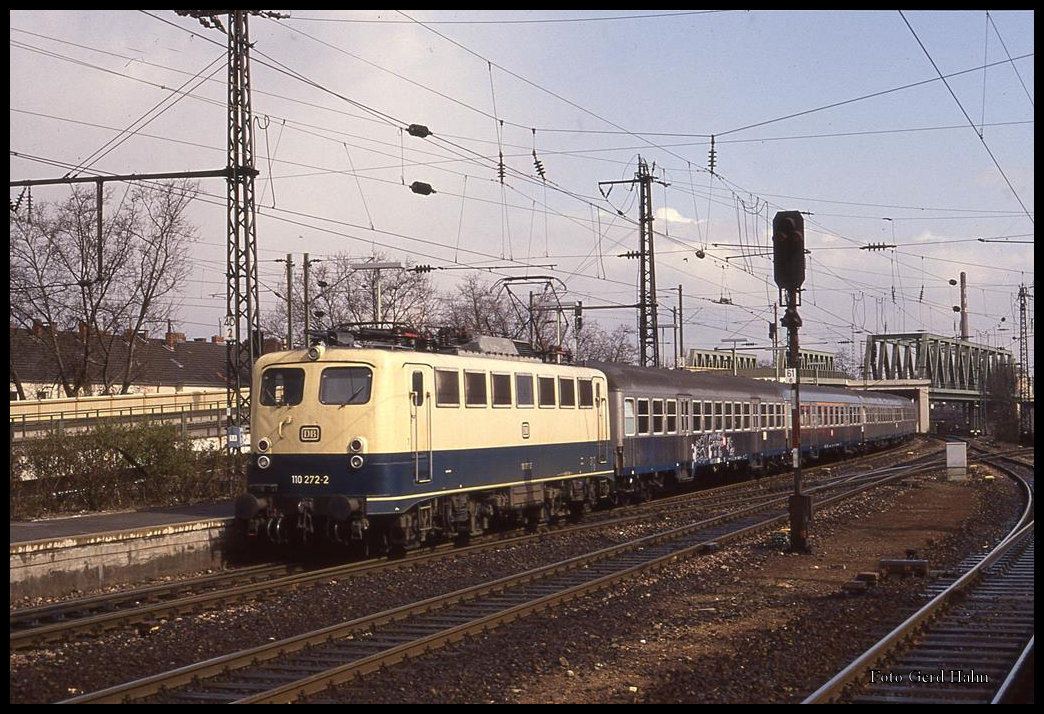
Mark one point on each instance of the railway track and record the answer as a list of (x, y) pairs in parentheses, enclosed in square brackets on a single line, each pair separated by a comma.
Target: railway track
[(69, 620), (972, 643), (302, 667)]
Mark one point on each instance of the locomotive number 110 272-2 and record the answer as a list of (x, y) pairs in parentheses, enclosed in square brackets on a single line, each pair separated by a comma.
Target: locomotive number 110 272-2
[(310, 479)]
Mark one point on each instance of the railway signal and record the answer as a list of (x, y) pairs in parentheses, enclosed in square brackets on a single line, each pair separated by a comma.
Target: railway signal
[(788, 253)]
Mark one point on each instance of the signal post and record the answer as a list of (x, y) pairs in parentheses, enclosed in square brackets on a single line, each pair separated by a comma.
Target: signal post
[(788, 252)]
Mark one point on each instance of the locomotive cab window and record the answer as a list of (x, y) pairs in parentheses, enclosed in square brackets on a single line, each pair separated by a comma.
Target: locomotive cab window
[(447, 388), (281, 387), (345, 385)]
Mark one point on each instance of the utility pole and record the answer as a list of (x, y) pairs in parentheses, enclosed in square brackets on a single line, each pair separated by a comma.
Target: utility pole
[(242, 288), (289, 301), (1024, 390), (307, 297), (648, 337), (681, 334), (788, 248)]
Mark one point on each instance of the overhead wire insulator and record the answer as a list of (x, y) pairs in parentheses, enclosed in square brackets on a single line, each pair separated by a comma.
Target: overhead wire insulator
[(418, 130), (539, 166), (712, 159), (501, 171)]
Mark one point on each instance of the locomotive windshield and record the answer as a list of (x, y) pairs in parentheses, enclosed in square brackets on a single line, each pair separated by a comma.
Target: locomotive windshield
[(345, 385), (282, 387)]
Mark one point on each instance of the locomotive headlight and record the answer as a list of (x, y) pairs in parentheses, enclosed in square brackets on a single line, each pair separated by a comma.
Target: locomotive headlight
[(356, 461), (263, 462), (315, 352), (357, 445), (263, 444)]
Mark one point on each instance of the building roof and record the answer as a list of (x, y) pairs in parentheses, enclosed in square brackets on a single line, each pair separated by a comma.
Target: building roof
[(169, 362)]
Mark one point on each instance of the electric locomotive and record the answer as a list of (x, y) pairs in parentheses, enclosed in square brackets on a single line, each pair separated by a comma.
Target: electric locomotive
[(394, 445)]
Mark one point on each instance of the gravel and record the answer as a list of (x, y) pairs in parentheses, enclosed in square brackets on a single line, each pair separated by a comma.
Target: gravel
[(747, 624)]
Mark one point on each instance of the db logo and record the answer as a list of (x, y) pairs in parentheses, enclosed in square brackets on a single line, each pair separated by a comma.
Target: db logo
[(310, 433)]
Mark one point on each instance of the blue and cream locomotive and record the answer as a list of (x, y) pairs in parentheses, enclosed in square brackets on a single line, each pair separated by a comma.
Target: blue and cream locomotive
[(392, 442)]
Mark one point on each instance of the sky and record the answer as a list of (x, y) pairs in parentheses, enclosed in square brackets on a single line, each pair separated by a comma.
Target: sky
[(911, 131)]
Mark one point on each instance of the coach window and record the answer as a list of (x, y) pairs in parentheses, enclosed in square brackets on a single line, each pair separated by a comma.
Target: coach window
[(546, 391), (643, 416), (657, 416), (697, 416), (685, 416), (585, 393), (500, 385), (447, 388), (728, 417), (672, 416), (746, 416), (717, 424), (345, 385), (523, 390), (566, 392), (628, 417), (281, 387)]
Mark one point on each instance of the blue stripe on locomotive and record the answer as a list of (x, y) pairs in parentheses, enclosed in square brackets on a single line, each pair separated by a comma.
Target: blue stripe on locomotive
[(387, 481)]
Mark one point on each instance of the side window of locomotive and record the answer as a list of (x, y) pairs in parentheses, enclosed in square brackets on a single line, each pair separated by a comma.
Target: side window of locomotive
[(672, 416), (585, 393), (345, 385), (657, 425), (643, 416), (281, 387), (447, 388), (524, 390), (566, 392), (629, 417), (475, 389), (546, 391), (417, 388), (501, 386)]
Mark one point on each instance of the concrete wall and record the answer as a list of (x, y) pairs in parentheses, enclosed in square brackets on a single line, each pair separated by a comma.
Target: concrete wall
[(46, 568)]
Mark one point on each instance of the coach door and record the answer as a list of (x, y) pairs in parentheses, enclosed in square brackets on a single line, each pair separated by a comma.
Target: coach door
[(420, 395), (603, 422)]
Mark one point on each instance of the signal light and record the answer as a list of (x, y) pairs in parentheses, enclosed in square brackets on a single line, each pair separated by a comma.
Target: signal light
[(788, 249)]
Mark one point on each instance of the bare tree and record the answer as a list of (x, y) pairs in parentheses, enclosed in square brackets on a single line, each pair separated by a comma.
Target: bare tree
[(340, 294), (479, 307), (597, 344), (66, 276)]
